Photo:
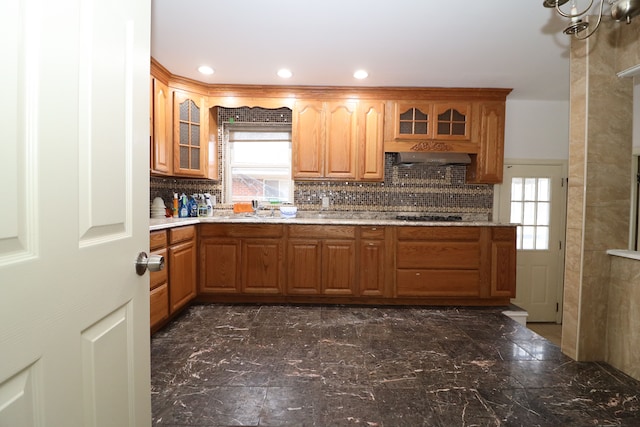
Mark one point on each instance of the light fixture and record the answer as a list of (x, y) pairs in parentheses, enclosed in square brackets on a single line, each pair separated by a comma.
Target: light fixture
[(621, 10), (205, 69), (284, 73), (360, 74)]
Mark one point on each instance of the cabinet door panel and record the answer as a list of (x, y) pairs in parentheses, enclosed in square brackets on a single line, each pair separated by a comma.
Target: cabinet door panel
[(182, 275), (308, 135), (157, 278), (190, 135), (503, 262), (261, 266), (371, 268), (220, 266), (488, 167), (159, 305), (304, 267), (341, 143), (338, 267), (161, 148), (371, 141), (452, 121)]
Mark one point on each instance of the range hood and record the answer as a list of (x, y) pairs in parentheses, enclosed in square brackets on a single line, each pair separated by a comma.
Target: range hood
[(432, 158)]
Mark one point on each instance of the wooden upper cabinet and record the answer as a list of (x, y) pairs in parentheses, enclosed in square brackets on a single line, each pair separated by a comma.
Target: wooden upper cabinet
[(413, 120), (308, 139), (421, 120), (452, 121), (487, 166), (161, 149), (371, 141), (190, 134), (341, 140), (338, 140)]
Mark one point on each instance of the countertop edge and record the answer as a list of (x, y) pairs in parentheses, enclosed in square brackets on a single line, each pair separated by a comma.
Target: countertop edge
[(162, 224)]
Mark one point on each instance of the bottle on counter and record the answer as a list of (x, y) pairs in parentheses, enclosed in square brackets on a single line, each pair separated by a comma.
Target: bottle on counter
[(183, 206), (174, 210), (209, 203)]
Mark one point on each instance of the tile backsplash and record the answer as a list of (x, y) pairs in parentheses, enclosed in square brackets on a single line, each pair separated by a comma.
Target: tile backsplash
[(416, 188)]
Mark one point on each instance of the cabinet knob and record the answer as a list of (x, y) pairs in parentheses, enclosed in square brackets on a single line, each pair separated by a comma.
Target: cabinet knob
[(144, 262)]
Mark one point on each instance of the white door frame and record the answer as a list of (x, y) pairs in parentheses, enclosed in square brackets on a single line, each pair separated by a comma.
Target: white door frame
[(563, 226)]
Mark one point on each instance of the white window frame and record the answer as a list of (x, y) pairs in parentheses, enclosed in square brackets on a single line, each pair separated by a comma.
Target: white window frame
[(229, 165)]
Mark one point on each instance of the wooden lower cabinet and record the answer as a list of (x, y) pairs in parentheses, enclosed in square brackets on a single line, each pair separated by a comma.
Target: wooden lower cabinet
[(219, 266), (158, 282), (173, 287), (440, 265), (182, 274), (438, 261), (241, 259), (262, 266), (321, 260), (372, 267), (159, 305), (503, 262)]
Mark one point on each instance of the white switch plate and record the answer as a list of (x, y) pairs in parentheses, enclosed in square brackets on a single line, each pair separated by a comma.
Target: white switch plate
[(325, 202)]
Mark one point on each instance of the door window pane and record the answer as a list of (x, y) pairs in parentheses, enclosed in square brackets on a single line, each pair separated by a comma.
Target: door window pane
[(516, 212), (542, 217), (530, 189), (544, 189), (542, 238), (516, 189), (531, 207)]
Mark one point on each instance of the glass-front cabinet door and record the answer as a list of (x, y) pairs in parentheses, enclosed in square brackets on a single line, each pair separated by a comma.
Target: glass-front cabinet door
[(189, 134), (433, 121), (414, 120), (452, 121)]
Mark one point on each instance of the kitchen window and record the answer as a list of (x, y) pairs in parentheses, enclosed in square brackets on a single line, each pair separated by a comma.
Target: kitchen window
[(258, 163)]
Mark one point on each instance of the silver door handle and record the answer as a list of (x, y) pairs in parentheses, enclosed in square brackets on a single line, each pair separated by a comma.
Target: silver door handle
[(153, 263)]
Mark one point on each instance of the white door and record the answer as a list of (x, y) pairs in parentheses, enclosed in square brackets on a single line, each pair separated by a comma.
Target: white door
[(535, 196), (74, 122)]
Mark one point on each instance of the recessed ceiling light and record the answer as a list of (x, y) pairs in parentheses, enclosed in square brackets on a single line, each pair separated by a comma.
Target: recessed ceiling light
[(284, 73), (204, 69), (360, 74)]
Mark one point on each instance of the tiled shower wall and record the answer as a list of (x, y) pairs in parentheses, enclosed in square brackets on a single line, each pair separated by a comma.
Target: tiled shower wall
[(417, 188)]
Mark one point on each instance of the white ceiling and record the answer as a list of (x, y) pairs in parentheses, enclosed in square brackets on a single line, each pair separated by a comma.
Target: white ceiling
[(426, 43)]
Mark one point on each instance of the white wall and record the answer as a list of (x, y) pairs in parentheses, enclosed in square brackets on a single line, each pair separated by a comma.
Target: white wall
[(537, 130)]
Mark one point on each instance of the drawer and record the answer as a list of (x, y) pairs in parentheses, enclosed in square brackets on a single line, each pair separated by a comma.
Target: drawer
[(372, 233), (504, 233), (439, 233), (322, 231), (159, 304), (180, 234), (157, 239), (453, 255), (437, 283), (159, 277), (241, 230)]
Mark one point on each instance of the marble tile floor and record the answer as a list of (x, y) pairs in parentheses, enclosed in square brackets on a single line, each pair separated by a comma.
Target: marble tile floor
[(273, 365)]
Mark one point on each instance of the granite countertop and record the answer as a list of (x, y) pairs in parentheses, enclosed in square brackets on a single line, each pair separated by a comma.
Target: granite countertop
[(320, 218)]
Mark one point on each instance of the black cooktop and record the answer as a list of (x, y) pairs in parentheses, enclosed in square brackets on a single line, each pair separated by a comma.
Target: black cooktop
[(429, 218)]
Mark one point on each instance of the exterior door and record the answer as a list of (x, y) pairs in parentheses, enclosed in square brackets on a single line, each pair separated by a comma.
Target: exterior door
[(535, 197), (74, 126)]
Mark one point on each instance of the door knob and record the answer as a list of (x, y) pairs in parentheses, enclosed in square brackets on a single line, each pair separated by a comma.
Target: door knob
[(153, 263)]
